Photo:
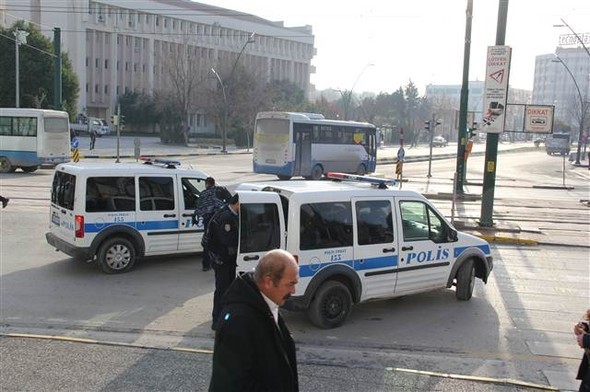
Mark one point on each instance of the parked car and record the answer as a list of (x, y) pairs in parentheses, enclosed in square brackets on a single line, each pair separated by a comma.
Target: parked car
[(439, 141)]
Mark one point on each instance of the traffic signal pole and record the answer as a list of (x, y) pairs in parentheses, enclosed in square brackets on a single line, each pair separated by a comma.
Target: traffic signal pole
[(489, 177), (462, 134)]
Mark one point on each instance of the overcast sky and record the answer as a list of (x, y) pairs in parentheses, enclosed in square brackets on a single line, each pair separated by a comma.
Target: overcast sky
[(421, 40)]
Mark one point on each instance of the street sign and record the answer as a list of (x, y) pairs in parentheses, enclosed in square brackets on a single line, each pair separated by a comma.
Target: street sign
[(75, 142), (496, 88), (538, 118)]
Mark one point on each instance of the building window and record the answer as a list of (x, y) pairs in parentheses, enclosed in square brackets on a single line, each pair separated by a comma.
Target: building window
[(96, 60), (96, 88), (86, 61), (106, 64), (106, 89), (126, 66)]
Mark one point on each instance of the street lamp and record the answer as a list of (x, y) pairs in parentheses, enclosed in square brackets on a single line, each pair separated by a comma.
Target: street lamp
[(229, 81), (576, 34), (224, 131), (20, 39), (347, 95), (582, 107)]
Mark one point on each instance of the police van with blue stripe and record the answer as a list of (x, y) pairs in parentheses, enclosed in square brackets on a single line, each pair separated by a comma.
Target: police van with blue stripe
[(357, 241), (113, 213)]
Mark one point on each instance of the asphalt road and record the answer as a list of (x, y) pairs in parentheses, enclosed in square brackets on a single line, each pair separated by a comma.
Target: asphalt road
[(517, 327)]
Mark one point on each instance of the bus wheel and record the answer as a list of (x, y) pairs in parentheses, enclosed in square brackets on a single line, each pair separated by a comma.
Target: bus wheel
[(465, 281), (317, 172), (283, 177), (5, 166), (331, 306), (29, 169), (361, 170), (116, 255)]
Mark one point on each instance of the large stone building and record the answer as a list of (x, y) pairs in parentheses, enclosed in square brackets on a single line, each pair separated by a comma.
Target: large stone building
[(557, 80), (130, 46)]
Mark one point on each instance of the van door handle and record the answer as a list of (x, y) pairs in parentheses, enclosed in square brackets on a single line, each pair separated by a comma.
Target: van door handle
[(407, 248), (169, 215), (186, 215), (250, 258), (388, 250)]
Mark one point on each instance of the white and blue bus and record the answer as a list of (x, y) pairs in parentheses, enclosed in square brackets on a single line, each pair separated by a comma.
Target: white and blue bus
[(303, 144), (30, 138)]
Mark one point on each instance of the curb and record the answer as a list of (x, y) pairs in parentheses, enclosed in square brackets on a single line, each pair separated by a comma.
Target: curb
[(507, 240)]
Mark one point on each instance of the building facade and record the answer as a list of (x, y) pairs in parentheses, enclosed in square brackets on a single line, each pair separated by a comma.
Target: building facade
[(133, 46), (562, 79)]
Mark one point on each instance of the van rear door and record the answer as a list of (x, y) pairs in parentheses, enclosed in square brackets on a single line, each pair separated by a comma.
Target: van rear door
[(262, 227), (61, 211)]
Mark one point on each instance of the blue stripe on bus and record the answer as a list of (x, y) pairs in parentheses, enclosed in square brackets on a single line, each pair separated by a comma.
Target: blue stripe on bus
[(484, 248), (285, 170), (308, 270), (143, 225), (21, 158)]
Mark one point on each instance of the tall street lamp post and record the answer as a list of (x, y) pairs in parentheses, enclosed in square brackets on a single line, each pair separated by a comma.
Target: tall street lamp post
[(583, 107), (20, 39), (224, 131), (223, 90), (347, 95)]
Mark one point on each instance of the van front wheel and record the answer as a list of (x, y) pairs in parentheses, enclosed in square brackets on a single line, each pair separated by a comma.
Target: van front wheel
[(465, 281), (331, 306), (116, 255)]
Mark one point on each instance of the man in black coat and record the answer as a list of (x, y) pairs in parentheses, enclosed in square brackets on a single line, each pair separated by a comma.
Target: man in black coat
[(254, 350)]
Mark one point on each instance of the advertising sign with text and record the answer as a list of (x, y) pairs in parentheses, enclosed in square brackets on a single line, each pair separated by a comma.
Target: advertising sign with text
[(496, 88)]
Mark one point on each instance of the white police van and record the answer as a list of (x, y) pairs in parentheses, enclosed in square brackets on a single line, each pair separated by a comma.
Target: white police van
[(356, 241), (116, 212)]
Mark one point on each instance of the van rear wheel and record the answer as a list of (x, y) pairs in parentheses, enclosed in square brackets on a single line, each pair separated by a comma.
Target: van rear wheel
[(116, 255), (465, 281), (331, 306)]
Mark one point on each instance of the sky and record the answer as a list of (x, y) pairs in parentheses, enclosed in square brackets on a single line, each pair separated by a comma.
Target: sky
[(418, 40)]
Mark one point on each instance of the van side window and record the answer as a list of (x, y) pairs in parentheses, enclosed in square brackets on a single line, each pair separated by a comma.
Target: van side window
[(325, 225), (374, 222), (191, 189), (63, 190), (108, 194), (420, 222), (259, 227), (156, 193)]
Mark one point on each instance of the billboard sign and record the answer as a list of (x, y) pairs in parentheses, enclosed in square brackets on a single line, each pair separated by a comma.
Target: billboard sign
[(496, 88), (538, 118)]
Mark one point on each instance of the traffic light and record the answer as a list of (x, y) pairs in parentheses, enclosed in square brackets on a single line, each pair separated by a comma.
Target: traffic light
[(427, 125), (121, 122), (115, 119)]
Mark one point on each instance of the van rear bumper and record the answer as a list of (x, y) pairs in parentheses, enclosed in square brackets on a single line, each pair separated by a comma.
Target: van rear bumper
[(69, 249)]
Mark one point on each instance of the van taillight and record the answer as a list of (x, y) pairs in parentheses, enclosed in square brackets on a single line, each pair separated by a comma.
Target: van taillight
[(79, 226)]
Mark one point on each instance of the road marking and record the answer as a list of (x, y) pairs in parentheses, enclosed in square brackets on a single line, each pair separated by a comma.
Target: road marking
[(504, 381)]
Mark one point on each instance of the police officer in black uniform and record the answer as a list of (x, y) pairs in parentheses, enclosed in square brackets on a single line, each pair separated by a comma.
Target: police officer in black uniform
[(222, 244)]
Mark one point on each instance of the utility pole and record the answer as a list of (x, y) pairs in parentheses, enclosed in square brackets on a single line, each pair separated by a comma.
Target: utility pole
[(462, 133), (117, 122), (20, 38), (57, 82), (489, 178)]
